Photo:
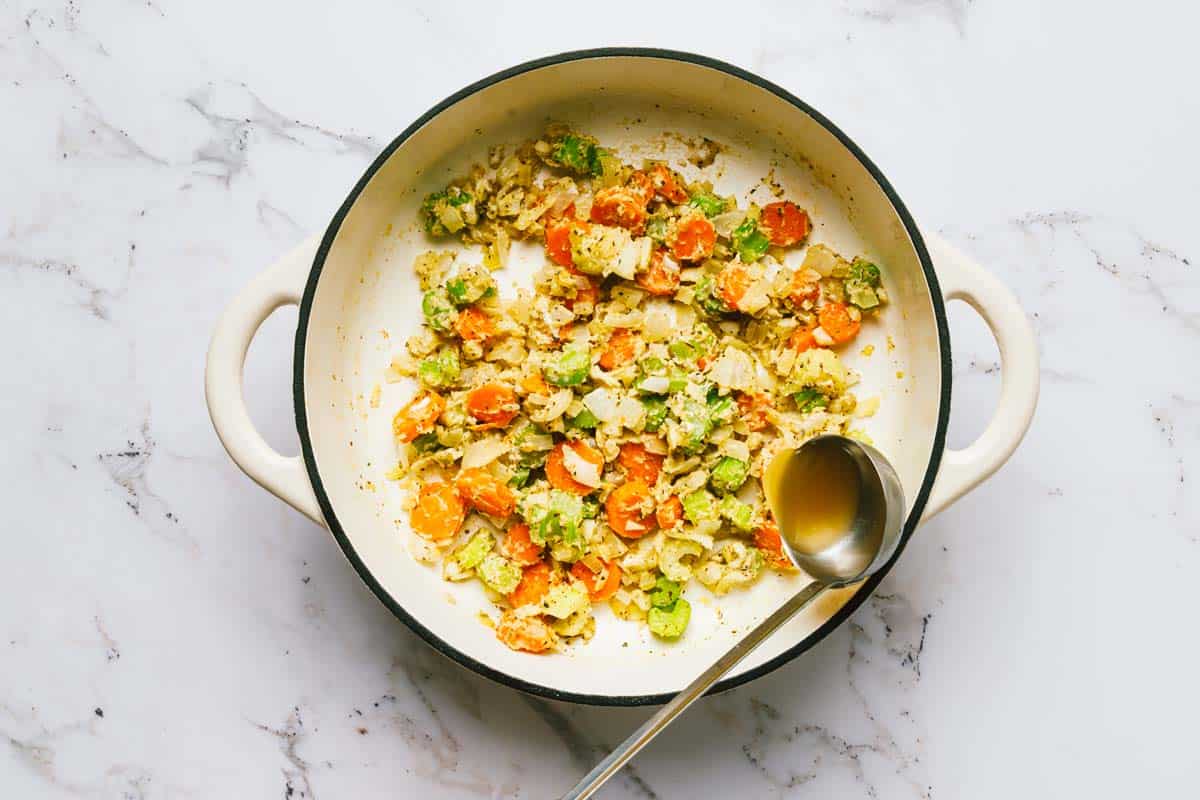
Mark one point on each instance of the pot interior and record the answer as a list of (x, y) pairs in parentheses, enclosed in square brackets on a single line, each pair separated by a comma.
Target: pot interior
[(366, 303)]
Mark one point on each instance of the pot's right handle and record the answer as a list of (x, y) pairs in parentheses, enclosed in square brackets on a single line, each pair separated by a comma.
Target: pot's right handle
[(280, 284), (963, 279)]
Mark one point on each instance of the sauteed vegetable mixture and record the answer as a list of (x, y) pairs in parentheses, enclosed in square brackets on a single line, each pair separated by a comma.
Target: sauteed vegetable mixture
[(599, 437)]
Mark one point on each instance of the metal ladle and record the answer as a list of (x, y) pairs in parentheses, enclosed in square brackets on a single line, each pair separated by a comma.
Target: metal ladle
[(856, 554)]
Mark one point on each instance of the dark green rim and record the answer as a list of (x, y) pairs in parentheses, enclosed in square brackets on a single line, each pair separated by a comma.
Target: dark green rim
[(339, 534)]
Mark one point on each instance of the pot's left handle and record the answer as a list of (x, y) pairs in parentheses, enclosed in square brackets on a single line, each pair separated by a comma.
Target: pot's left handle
[(282, 283)]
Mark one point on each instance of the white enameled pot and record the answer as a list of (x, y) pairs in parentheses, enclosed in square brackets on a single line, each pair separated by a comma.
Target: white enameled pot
[(359, 300)]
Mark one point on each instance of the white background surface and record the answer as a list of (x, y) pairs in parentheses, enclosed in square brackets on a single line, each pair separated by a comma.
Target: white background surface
[(1038, 639)]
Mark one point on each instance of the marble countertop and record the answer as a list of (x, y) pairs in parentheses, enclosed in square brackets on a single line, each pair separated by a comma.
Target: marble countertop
[(169, 630)]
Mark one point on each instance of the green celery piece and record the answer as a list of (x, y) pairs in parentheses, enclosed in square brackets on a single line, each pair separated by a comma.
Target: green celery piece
[(426, 442), (863, 271), (670, 623), (532, 459), (602, 162), (535, 512), (429, 213), (591, 508), (656, 412), (729, 474), (561, 519), (710, 204), (523, 439), (666, 592), (739, 514), (810, 400), (697, 425), (683, 351), (568, 508), (652, 365), (656, 229), (440, 370), (472, 553), (540, 522), (453, 197), (498, 573), (579, 155), (700, 341), (532, 454), (456, 289), (703, 339), (470, 285), (519, 478), (585, 421), (570, 368), (720, 409), (709, 303), (750, 243), (699, 507), (861, 295), (438, 311), (572, 153), (564, 599)]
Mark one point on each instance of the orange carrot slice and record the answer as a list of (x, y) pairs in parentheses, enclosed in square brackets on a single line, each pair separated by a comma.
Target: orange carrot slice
[(418, 416)]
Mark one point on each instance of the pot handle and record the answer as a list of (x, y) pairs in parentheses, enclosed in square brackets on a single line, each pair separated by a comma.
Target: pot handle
[(280, 284), (963, 279)]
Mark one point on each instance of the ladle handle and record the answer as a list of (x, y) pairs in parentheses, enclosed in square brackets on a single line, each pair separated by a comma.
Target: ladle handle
[(642, 736)]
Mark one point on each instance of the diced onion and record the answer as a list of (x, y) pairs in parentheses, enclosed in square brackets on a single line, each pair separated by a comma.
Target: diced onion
[(483, 452), (766, 381), (531, 215), (691, 482), (821, 260), (558, 316), (627, 296), (701, 534), (734, 369), (685, 316), (555, 407), (725, 223), (630, 412), (755, 299), (658, 320), (583, 207), (562, 198), (736, 448), (654, 444), (634, 254), (671, 560), (580, 468), (629, 319), (603, 403), (537, 441)]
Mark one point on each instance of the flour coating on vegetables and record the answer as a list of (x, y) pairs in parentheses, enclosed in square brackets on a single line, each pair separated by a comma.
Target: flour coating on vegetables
[(600, 438)]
